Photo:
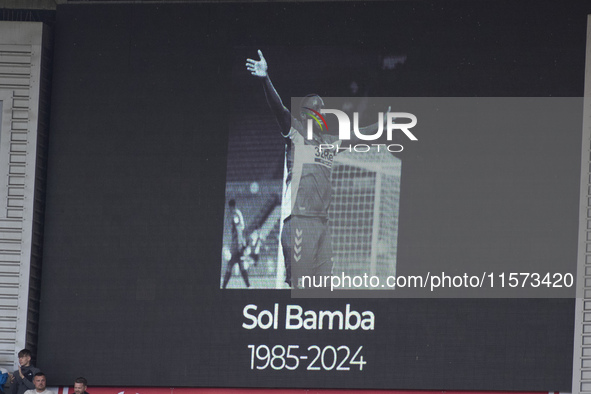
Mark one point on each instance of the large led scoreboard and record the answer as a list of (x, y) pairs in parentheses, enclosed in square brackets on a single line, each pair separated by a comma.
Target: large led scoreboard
[(454, 230)]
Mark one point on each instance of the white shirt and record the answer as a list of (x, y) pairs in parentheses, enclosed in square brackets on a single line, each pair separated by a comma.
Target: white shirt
[(33, 391)]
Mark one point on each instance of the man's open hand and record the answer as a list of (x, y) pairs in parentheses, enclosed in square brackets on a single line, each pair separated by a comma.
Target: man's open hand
[(258, 68)]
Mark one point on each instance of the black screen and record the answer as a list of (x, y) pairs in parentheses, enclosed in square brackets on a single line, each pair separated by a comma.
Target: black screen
[(145, 98)]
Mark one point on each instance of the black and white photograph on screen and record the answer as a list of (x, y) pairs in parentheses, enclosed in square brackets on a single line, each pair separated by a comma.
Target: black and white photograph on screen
[(309, 207)]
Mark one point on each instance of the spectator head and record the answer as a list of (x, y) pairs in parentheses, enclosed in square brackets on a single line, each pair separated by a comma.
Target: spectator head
[(40, 382), (24, 357), (80, 385)]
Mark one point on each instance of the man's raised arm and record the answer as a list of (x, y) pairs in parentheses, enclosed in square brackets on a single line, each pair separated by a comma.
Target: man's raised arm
[(259, 69)]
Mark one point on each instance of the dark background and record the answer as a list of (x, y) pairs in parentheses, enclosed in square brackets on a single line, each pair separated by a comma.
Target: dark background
[(142, 101)]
